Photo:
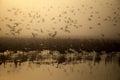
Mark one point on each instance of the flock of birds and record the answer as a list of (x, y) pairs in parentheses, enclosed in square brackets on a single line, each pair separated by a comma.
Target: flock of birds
[(35, 21)]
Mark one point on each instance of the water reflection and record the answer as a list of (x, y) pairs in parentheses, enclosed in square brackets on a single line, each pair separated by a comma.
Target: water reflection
[(71, 65), (55, 57)]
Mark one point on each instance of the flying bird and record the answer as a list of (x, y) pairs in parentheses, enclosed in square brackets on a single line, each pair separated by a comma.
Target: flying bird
[(43, 20), (53, 35), (90, 27), (102, 35), (34, 34), (19, 30), (41, 30), (66, 30), (17, 24)]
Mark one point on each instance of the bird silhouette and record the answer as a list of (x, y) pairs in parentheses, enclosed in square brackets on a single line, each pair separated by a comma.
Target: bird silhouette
[(75, 26), (61, 28), (90, 28), (98, 24), (80, 25), (91, 15), (6, 18), (13, 33), (67, 17), (9, 10), (17, 24), (9, 26), (53, 18), (11, 20), (53, 34), (102, 35), (89, 19), (118, 34), (41, 30), (114, 24), (105, 19), (19, 30), (66, 30), (43, 20), (34, 34), (60, 15)]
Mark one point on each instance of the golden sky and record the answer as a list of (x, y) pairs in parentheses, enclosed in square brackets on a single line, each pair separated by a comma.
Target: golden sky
[(60, 18)]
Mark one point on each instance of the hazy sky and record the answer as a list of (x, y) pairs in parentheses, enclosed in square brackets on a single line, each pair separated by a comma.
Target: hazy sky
[(60, 18)]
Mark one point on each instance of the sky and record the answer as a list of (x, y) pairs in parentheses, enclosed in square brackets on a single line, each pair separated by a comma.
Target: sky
[(60, 18)]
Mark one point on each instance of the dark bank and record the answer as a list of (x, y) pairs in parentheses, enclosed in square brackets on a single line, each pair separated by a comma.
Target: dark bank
[(28, 44)]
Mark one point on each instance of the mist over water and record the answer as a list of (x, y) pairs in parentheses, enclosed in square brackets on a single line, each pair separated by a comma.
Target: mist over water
[(47, 64)]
